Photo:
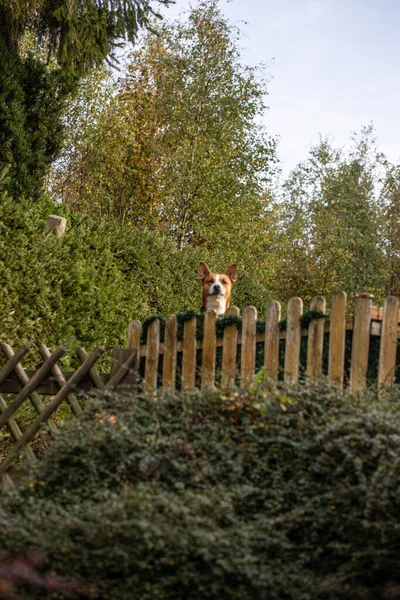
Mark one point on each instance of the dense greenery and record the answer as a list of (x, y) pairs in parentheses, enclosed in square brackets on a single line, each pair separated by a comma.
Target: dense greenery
[(85, 288), (180, 146), (46, 46), (232, 495)]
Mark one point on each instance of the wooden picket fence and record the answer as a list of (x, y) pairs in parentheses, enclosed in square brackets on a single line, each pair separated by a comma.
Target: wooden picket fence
[(366, 321), (174, 364)]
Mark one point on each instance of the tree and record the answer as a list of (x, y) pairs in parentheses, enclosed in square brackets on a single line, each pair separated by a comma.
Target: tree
[(334, 220), (390, 199), (181, 147), (66, 39)]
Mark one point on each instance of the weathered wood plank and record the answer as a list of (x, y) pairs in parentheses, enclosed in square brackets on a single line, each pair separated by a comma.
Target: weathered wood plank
[(315, 342), (134, 333), (152, 357), (360, 343), (209, 350), (9, 367), (388, 348), (124, 370), (30, 433), (15, 431), (271, 344), (248, 360), (27, 390), (189, 355), (170, 346), (61, 381), (34, 397), (338, 327), (293, 341), (229, 350)]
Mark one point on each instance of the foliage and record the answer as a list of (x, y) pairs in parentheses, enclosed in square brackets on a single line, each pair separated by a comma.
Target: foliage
[(31, 106), (240, 494), (85, 288), (180, 147), (333, 222), (46, 47)]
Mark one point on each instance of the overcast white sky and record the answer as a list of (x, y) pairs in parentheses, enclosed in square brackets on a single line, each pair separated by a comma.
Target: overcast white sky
[(334, 66)]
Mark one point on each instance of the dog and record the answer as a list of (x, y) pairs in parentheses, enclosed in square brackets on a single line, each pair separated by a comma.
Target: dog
[(217, 288)]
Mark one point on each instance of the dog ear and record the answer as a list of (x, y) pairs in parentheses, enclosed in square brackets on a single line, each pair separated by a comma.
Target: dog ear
[(203, 270), (232, 273)]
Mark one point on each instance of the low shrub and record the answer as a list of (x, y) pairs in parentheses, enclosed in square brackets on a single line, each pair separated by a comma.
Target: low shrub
[(236, 495)]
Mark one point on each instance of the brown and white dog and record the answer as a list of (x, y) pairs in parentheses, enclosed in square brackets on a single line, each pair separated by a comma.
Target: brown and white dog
[(217, 288)]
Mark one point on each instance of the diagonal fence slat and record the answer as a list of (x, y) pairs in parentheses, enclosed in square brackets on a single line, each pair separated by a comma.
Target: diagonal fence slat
[(24, 381), (15, 431), (61, 381), (93, 373), (9, 367), (26, 391), (129, 366), (30, 433)]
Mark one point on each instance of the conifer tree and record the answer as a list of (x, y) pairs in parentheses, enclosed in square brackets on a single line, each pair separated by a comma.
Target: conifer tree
[(66, 39)]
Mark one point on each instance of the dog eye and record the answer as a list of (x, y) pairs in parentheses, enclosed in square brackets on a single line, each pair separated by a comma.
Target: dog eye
[(210, 280), (224, 281)]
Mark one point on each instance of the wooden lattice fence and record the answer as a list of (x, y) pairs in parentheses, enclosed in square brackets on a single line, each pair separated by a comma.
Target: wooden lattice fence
[(337, 347)]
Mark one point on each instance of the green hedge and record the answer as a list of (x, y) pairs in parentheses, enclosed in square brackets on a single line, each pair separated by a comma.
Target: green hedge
[(85, 288), (235, 496)]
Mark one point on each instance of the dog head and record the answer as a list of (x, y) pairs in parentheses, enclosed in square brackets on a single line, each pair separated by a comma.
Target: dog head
[(217, 288)]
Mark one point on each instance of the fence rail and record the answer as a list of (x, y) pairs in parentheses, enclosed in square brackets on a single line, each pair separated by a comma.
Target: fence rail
[(337, 347)]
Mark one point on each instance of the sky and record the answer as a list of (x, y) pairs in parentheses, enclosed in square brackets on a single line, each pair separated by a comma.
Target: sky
[(333, 67)]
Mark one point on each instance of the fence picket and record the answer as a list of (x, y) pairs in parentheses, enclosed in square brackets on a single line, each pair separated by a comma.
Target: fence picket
[(170, 348), (152, 357), (189, 355), (337, 338), (388, 348), (248, 361), (271, 345), (134, 333), (209, 350), (360, 343), (293, 341), (229, 350), (315, 342)]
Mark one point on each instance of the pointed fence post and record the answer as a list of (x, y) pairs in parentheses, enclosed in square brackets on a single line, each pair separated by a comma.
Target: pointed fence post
[(337, 339), (360, 344), (388, 349), (315, 342), (209, 350), (293, 341), (229, 350), (189, 355), (248, 366), (134, 333), (152, 357), (170, 348), (271, 347)]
